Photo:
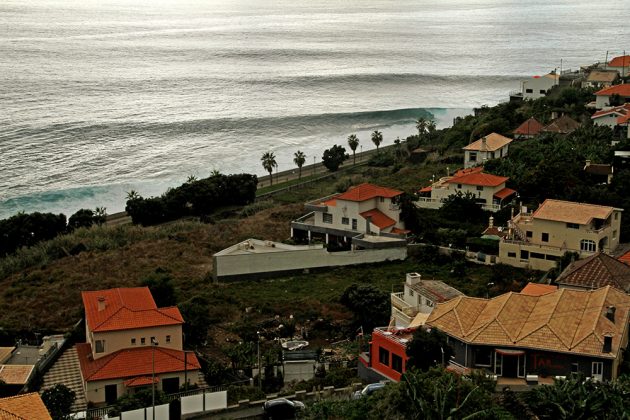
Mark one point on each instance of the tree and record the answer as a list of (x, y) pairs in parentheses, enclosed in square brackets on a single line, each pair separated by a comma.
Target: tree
[(100, 215), (299, 158), (377, 138), (428, 348), (269, 162), (462, 207), (353, 143), (58, 401), (82, 218), (369, 305), (196, 313), (334, 157), (160, 283), (133, 195)]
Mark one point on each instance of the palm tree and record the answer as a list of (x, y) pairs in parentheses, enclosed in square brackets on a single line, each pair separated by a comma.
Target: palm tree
[(191, 179), (377, 138), (268, 160), (299, 158), (421, 126), (133, 195), (353, 142)]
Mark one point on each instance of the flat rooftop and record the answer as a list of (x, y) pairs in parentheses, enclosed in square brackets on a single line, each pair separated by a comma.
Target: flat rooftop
[(256, 246)]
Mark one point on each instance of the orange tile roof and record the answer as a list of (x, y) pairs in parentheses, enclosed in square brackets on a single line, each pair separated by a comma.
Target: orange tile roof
[(367, 191), (570, 212), (16, 374), (493, 142), (479, 178), (567, 321), (562, 125), (5, 353), (126, 308), (537, 289), (621, 90), (625, 258), (400, 231), (141, 381), (426, 189), (378, 218), (23, 407), (621, 61), (504, 193), (132, 362), (467, 171), (596, 271), (619, 110), (529, 127)]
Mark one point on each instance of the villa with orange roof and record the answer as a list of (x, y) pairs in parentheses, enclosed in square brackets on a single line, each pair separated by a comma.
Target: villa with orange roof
[(621, 64), (489, 190), (616, 118), (528, 129), (345, 219), (24, 407), (528, 336), (537, 240), (492, 146), (132, 344), (603, 97)]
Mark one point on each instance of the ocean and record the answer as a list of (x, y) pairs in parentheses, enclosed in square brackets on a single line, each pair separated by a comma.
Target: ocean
[(101, 97)]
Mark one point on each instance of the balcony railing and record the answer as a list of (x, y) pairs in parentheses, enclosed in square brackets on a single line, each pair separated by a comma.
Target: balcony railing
[(399, 303)]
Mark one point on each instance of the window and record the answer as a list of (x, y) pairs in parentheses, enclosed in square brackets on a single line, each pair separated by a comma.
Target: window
[(327, 218), (544, 237), (587, 245), (143, 341), (542, 91), (524, 255), (410, 292), (573, 226), (616, 215), (614, 234), (483, 357), (428, 302), (382, 199), (472, 157), (459, 186), (153, 340), (168, 338), (529, 90), (397, 363), (528, 233), (345, 221), (133, 341), (511, 254), (354, 224), (552, 257), (100, 346), (491, 155), (575, 367), (383, 356), (537, 255), (479, 188)]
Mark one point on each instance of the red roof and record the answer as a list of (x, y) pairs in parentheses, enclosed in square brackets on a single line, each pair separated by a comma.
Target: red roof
[(378, 218), (625, 258), (400, 231), (621, 61), (530, 127), (479, 178), (366, 191), (141, 381), (504, 193), (133, 362), (623, 119), (426, 189), (621, 90), (126, 308), (536, 289), (473, 170), (619, 110)]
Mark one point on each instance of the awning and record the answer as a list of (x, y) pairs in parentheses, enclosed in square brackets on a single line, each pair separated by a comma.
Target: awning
[(140, 381), (510, 352), (504, 193)]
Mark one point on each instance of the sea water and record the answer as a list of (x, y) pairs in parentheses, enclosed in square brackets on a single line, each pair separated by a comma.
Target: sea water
[(101, 97)]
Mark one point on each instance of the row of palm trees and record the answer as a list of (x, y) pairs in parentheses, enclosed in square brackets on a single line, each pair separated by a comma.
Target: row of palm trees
[(269, 162)]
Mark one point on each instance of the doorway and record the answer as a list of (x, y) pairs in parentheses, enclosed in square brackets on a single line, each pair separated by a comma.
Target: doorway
[(111, 394)]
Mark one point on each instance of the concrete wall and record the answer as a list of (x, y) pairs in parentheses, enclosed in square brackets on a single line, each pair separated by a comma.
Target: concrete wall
[(487, 193), (609, 120), (484, 156), (234, 265), (116, 340), (299, 370), (213, 401), (537, 85)]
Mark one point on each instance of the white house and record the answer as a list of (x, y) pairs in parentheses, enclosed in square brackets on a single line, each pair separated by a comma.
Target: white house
[(616, 118), (602, 97), (621, 64), (538, 86), (492, 146)]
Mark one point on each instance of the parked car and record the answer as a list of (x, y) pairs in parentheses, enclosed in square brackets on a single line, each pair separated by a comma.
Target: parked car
[(281, 409), (368, 390)]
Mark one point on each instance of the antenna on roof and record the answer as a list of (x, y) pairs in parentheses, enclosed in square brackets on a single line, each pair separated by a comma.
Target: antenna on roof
[(606, 62)]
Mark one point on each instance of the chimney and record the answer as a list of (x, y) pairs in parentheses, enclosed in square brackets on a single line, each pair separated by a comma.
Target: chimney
[(607, 344), (413, 278), (101, 303), (491, 222), (610, 313), (484, 144)]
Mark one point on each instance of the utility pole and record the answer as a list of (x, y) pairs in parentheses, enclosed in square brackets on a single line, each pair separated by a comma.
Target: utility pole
[(259, 367), (154, 343)]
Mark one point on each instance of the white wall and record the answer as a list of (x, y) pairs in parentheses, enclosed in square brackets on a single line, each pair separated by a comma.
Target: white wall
[(609, 120), (537, 85)]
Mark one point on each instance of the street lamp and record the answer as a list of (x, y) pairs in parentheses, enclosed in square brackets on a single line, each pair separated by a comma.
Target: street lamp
[(488, 286), (154, 344)]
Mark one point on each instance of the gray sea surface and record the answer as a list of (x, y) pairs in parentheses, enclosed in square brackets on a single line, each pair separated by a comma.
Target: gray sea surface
[(100, 97)]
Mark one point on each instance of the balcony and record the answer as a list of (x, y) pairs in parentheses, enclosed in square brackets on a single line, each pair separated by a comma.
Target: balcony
[(399, 303)]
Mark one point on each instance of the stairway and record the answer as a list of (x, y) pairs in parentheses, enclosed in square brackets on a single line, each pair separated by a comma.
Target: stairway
[(67, 371)]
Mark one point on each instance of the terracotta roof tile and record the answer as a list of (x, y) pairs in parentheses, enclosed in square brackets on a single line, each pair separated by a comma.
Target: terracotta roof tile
[(621, 90), (132, 362), (621, 61), (537, 289), (563, 321), (493, 142), (562, 125), (504, 193), (606, 76), (126, 308), (141, 381), (596, 271), (367, 191), (570, 212), (436, 290), (618, 110), (23, 407), (16, 374), (479, 178), (530, 127), (378, 218), (625, 258)]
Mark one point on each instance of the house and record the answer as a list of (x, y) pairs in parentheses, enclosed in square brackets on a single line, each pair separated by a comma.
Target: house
[(387, 358), (537, 240), (528, 129), (601, 173), (492, 146), (515, 335), (419, 297), (350, 218), (596, 271), (494, 232), (24, 407), (562, 125), (600, 79), (538, 86), (620, 64), (132, 344), (603, 98), (489, 190), (538, 289), (616, 118)]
